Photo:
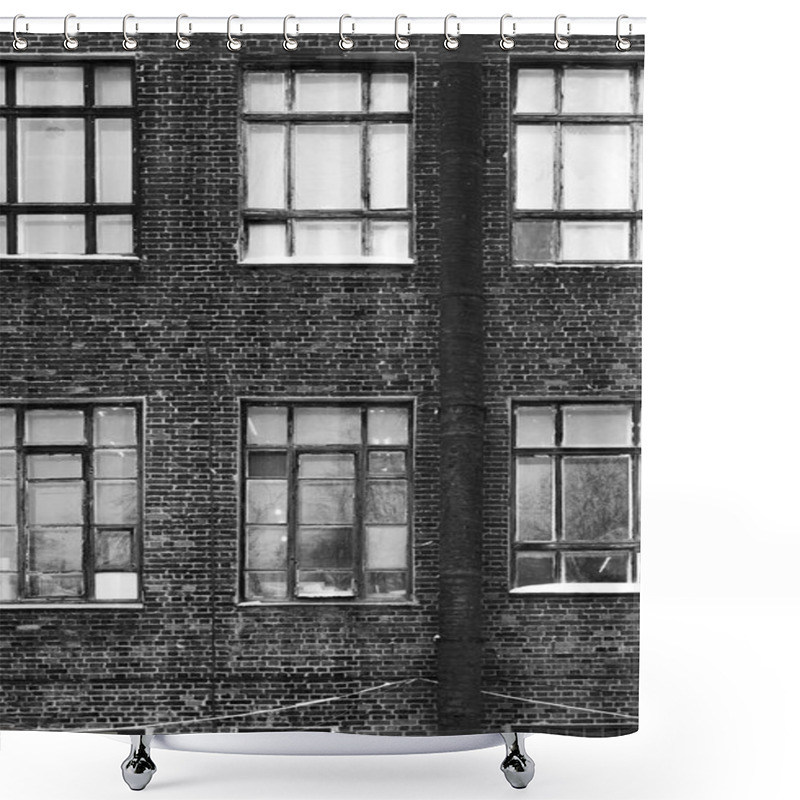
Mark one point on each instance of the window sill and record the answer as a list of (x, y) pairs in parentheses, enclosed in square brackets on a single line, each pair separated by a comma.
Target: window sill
[(579, 264), (338, 603), (65, 257), (578, 588), (133, 606), (328, 262)]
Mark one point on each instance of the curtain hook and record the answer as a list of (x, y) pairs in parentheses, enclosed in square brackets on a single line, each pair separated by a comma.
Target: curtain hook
[(70, 42), (622, 43), (345, 42), (233, 43), (451, 42), (288, 42), (401, 42), (128, 42), (561, 42), (507, 42), (181, 42), (19, 43)]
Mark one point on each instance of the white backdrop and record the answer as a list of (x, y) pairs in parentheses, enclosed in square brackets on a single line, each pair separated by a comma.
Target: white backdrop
[(720, 599)]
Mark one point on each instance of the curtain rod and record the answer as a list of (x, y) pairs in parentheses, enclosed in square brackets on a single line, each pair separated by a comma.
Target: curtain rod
[(350, 25)]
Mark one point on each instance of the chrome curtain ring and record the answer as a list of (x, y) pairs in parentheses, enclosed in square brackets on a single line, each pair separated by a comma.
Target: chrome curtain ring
[(18, 43), (623, 44), (507, 42), (181, 42), (288, 42), (233, 43), (401, 42), (70, 42), (561, 42), (345, 42), (128, 42), (451, 41)]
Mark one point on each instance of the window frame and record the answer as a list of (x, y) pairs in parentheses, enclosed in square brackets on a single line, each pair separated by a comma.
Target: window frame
[(559, 545), (558, 119), (90, 527), (293, 452), (289, 121), (90, 209)]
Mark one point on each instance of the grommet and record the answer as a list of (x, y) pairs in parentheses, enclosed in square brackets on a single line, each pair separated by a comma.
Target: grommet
[(19, 43), (128, 42), (288, 42), (181, 42), (561, 42), (623, 44), (70, 42), (401, 42), (450, 41), (345, 42), (233, 43), (507, 42)]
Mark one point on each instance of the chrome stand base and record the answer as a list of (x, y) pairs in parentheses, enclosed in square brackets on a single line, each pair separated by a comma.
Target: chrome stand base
[(517, 766), (138, 768)]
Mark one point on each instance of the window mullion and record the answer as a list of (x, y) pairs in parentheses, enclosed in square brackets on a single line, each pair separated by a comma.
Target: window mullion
[(88, 504), (292, 500), (22, 508), (90, 166)]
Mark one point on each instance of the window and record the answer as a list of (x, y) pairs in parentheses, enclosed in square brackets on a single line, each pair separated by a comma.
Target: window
[(66, 159), (577, 164), (70, 525), (576, 471), (326, 501), (327, 165)]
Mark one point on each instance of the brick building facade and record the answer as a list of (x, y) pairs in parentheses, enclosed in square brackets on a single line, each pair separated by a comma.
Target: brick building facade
[(165, 600)]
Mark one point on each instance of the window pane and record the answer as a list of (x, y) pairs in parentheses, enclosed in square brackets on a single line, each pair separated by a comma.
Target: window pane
[(114, 427), (8, 586), (51, 160), (116, 586), (328, 241), (264, 92), (598, 426), (327, 166), (8, 419), (8, 549), (46, 234), (387, 425), (388, 164), (266, 547), (266, 166), (590, 91), (387, 501), (115, 234), (597, 499), (116, 502), (3, 171), (2, 86), (8, 464), (55, 465), (114, 149), (536, 91), (595, 241), (387, 547), (3, 235), (331, 91), (390, 240), (266, 502), (386, 584), (55, 585), (536, 426), (325, 547), (55, 503), (266, 465), (534, 499), (535, 240), (112, 86), (389, 92), (597, 568), (113, 550), (327, 425), (8, 503), (597, 166), (265, 585), (390, 463), (326, 502), (50, 86), (115, 463), (266, 241), (327, 583), (326, 466), (535, 569), (54, 426), (534, 168), (56, 549), (266, 425)]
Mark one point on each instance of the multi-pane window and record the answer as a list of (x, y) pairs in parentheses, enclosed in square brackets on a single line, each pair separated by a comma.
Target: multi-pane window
[(327, 166), (326, 501), (66, 159), (70, 502), (577, 187), (576, 470)]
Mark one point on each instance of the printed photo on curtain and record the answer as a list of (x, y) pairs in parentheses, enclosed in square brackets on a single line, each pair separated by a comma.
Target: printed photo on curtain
[(321, 383)]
